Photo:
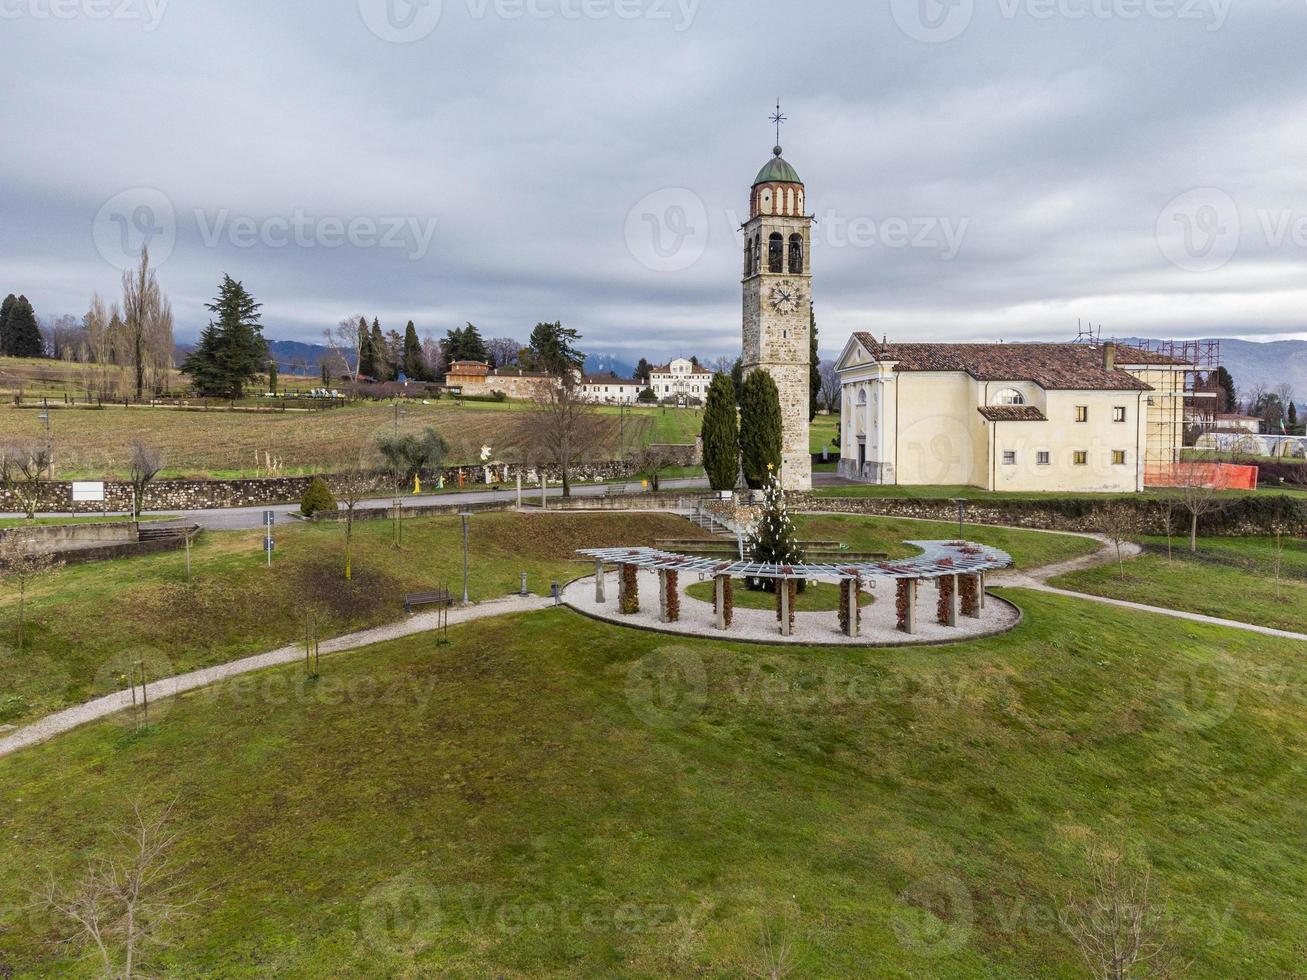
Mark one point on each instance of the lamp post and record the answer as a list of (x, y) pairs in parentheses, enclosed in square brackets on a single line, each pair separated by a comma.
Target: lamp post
[(465, 515), (962, 512)]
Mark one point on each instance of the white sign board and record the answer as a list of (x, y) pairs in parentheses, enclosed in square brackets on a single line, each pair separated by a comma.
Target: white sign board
[(88, 493)]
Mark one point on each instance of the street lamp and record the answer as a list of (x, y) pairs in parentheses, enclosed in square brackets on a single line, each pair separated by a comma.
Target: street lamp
[(466, 515), (962, 512)]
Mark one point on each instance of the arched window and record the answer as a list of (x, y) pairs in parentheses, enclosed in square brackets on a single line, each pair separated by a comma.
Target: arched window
[(796, 254), (748, 258), (776, 253), (1009, 396), (757, 254)]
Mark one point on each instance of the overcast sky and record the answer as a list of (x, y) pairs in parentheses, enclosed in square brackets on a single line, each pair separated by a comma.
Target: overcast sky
[(980, 170)]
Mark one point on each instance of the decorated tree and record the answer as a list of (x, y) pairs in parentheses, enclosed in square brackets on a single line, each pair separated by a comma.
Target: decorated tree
[(772, 539)]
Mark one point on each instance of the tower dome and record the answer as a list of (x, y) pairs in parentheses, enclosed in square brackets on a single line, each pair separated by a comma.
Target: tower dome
[(777, 171)]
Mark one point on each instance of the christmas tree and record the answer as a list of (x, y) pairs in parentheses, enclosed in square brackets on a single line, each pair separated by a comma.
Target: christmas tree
[(772, 537)]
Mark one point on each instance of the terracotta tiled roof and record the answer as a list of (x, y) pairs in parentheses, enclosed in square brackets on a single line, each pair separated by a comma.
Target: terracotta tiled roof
[(1013, 413), (1065, 367)]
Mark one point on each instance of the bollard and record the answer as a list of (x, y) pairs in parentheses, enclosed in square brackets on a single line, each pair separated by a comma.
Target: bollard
[(557, 593), (523, 592)]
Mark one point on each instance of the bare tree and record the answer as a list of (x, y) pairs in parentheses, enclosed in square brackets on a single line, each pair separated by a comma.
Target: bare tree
[(1120, 930), (20, 565), (650, 462), (503, 351), (23, 463), (829, 392), (1119, 521), (119, 908), (563, 428), (350, 487), (723, 364), (343, 341), (147, 319), (434, 355), (1197, 494), (144, 464)]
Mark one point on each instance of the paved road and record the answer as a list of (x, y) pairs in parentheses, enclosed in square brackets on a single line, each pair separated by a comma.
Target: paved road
[(243, 518)]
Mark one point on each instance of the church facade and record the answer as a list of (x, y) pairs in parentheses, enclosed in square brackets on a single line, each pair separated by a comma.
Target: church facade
[(777, 305)]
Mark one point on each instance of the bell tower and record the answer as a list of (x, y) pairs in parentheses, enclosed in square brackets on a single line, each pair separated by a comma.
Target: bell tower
[(777, 298)]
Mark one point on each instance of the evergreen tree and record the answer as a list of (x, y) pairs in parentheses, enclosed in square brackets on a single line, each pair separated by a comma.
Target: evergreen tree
[(414, 364), (814, 364), (377, 345), (552, 349), (474, 347), (22, 332), (642, 371), (5, 311), (232, 350), (272, 376), (737, 378), (773, 539), (1226, 383), (367, 356), (760, 428), (1293, 417), (721, 434)]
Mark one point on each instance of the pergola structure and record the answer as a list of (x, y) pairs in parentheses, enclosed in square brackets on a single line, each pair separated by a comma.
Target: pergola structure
[(957, 567)]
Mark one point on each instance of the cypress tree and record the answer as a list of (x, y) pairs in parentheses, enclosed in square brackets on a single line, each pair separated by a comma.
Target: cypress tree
[(414, 366), (737, 379), (760, 429), (377, 346), (272, 376), (367, 358), (5, 310), (721, 434), (814, 363), (23, 333)]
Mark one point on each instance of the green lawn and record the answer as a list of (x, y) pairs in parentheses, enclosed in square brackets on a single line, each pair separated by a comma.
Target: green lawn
[(887, 534), (87, 622), (516, 805), (1233, 578), (817, 597)]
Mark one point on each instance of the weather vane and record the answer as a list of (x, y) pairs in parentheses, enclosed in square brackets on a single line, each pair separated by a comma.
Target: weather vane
[(777, 118)]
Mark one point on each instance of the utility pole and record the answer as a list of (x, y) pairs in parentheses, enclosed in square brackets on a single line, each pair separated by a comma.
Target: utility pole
[(466, 515)]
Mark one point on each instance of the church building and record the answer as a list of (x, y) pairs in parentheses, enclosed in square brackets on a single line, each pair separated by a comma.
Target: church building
[(1019, 417)]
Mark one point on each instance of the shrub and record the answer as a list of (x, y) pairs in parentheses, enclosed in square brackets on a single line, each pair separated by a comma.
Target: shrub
[(317, 498)]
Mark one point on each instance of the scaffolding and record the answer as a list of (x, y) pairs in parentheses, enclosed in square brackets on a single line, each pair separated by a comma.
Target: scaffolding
[(1186, 396)]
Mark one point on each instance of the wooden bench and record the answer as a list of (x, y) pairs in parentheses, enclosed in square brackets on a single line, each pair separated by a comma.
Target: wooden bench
[(436, 597), (615, 490)]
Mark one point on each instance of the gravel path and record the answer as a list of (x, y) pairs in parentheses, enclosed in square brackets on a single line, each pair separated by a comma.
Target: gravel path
[(74, 717)]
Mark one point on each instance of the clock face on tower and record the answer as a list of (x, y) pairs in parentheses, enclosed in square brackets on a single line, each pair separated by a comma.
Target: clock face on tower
[(785, 296)]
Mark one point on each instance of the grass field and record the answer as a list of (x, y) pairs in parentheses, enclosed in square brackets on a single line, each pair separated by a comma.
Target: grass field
[(515, 804), (221, 444), (237, 606), (1233, 578), (87, 622)]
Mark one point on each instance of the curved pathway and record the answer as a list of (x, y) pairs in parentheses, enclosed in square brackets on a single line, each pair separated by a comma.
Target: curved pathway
[(78, 715)]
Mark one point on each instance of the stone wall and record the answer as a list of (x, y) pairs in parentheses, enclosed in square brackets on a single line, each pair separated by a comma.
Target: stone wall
[(58, 537), (184, 495)]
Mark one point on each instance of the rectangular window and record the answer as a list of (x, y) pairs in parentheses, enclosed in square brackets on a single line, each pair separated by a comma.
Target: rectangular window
[(1081, 458), (1009, 459), (1118, 457), (1043, 459), (1082, 413), (1118, 413)]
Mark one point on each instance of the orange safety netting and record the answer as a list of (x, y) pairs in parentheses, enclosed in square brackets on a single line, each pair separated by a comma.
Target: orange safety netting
[(1222, 476)]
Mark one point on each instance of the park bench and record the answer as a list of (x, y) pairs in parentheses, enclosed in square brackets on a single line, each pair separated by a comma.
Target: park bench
[(615, 490), (436, 597)]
